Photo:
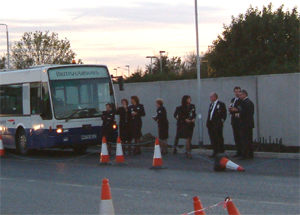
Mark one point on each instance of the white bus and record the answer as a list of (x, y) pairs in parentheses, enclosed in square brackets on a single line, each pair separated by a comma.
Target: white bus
[(54, 106)]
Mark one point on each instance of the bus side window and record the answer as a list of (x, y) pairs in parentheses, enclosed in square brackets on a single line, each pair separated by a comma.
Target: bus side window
[(11, 101), (45, 104)]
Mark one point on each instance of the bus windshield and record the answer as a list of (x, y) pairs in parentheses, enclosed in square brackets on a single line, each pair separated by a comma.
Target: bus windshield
[(80, 92)]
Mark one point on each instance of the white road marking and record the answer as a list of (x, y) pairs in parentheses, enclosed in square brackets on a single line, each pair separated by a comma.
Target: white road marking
[(143, 191)]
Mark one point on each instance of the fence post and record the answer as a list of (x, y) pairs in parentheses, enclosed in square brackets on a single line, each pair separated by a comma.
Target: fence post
[(257, 108)]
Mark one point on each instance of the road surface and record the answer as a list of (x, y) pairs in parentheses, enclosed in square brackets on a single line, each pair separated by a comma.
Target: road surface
[(60, 182)]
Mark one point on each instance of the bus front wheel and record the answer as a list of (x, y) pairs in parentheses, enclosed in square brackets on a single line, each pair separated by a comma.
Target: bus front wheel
[(21, 141)]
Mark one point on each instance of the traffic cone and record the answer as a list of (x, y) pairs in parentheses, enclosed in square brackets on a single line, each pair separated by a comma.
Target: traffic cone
[(222, 163), (104, 156), (231, 209), (106, 204), (1, 147), (157, 159), (198, 206), (119, 154)]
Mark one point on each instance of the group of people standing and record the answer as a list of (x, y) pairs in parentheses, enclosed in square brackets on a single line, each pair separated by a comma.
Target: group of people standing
[(130, 124), (241, 110)]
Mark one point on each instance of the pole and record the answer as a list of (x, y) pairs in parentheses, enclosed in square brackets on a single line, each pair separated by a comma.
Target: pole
[(198, 74), (160, 64), (151, 62), (257, 109), (7, 46), (7, 41), (161, 52)]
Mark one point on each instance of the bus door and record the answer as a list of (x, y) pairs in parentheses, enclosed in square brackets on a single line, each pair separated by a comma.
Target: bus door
[(41, 115)]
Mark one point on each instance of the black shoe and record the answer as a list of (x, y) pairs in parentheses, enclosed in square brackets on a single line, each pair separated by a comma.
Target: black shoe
[(188, 155), (243, 158), (251, 155), (213, 155), (174, 151)]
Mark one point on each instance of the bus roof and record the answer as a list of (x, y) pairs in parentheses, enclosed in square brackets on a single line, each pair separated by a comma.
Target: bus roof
[(33, 74)]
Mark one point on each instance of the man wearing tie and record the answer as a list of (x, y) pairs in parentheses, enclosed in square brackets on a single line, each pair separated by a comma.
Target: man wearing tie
[(216, 117), (235, 120)]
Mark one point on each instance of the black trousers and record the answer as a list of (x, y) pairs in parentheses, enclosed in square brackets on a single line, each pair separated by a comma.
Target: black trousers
[(237, 138), (246, 140), (216, 138)]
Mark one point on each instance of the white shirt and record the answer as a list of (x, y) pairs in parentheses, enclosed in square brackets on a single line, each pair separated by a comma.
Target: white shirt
[(235, 99), (213, 109)]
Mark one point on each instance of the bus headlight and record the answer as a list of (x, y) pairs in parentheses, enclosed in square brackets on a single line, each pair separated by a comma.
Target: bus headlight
[(37, 127), (59, 129), (2, 128)]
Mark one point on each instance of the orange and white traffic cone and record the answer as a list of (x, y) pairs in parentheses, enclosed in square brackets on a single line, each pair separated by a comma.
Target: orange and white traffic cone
[(106, 204), (119, 154), (1, 147), (223, 163), (157, 158), (198, 206), (231, 209), (104, 156)]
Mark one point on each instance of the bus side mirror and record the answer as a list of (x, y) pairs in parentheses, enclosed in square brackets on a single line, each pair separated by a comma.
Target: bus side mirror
[(121, 83)]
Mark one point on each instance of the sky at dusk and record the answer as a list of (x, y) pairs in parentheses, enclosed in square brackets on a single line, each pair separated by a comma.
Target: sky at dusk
[(124, 32)]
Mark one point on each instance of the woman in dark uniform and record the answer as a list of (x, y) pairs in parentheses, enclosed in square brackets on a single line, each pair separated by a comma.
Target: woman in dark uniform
[(108, 118), (124, 129), (185, 115), (163, 125), (136, 111)]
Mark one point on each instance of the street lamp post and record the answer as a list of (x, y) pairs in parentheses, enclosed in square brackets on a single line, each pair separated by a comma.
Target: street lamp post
[(7, 44), (116, 71), (151, 57), (128, 67), (160, 53), (198, 74)]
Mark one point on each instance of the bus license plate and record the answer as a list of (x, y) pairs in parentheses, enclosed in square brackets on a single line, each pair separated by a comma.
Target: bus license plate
[(88, 137)]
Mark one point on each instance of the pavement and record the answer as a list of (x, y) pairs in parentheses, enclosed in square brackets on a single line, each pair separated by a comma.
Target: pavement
[(60, 182)]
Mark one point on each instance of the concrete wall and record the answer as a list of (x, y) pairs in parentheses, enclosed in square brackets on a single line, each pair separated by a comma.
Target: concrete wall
[(276, 99)]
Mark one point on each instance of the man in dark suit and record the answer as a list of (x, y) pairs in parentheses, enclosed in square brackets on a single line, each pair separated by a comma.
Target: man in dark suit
[(235, 120), (216, 117), (246, 112)]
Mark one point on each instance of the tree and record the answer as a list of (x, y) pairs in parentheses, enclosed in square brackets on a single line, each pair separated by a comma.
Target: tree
[(169, 65), (258, 42), (36, 48), (2, 62), (190, 65)]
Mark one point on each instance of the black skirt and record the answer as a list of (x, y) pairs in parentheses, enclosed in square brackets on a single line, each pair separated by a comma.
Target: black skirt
[(184, 131), (125, 132), (163, 132), (135, 127), (108, 133)]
